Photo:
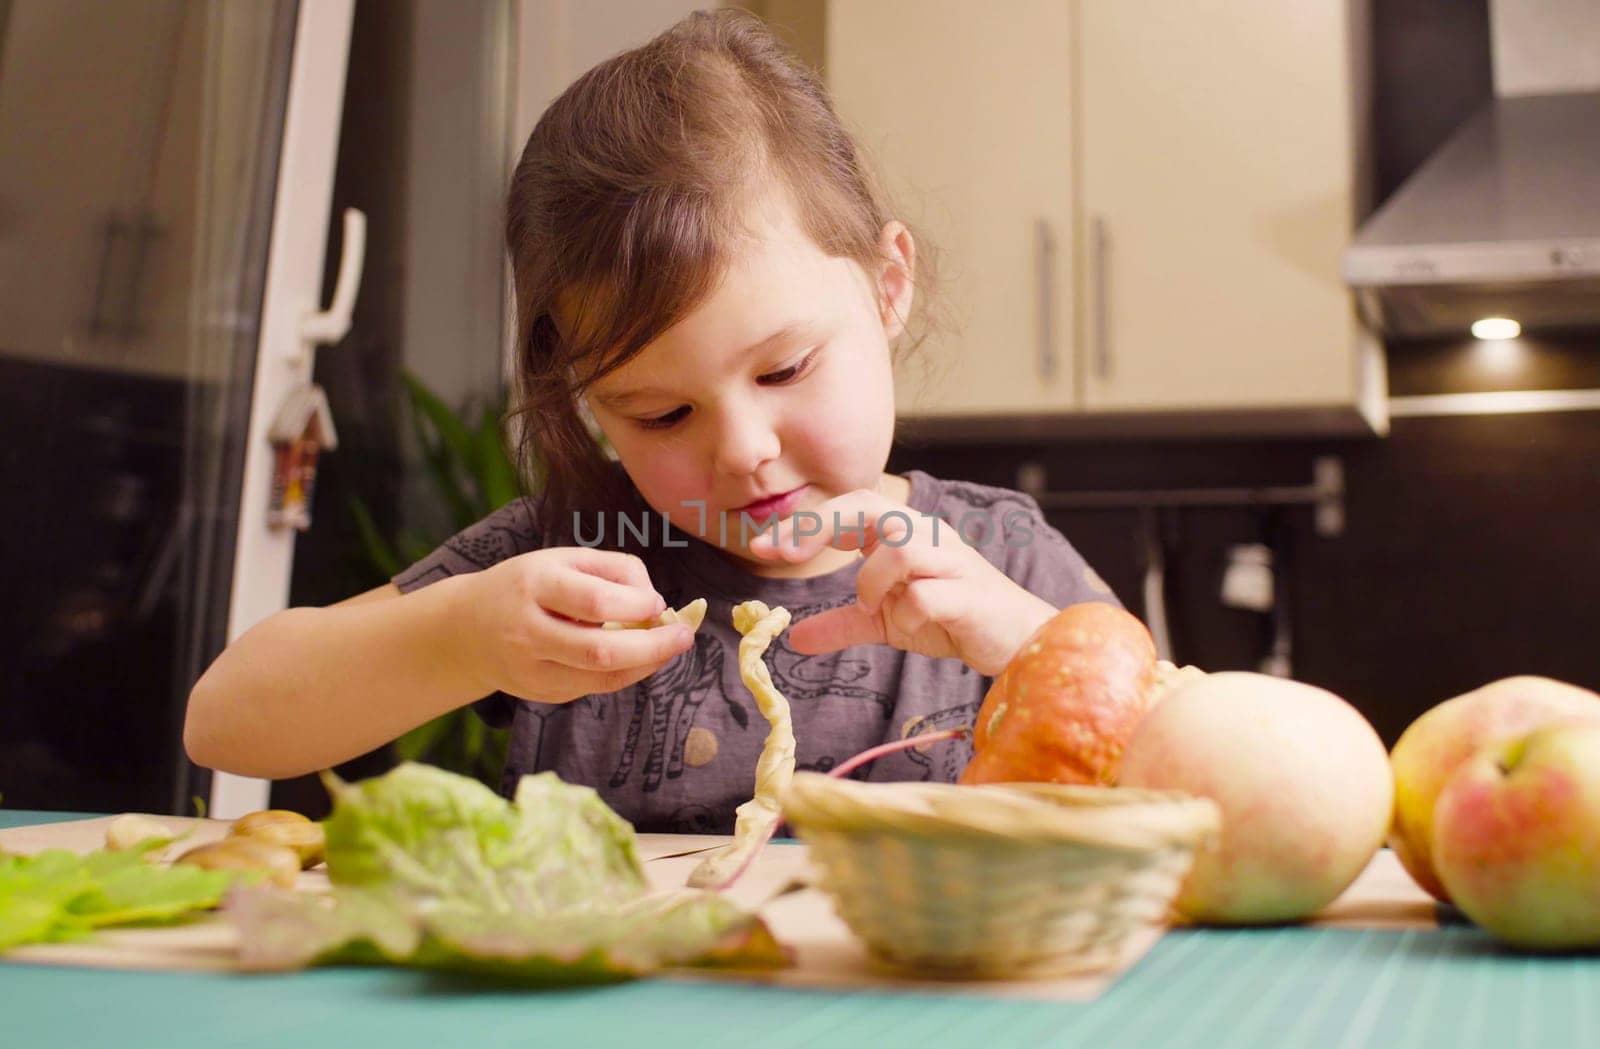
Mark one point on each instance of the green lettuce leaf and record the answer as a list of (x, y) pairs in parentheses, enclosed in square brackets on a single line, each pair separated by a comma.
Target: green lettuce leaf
[(434, 870), (58, 895), (282, 930), (440, 837)]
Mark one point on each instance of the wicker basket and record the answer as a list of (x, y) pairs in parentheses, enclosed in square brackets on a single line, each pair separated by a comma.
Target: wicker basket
[(997, 880)]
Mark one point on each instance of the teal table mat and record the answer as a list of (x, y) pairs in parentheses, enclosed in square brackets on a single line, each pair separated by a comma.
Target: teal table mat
[(1219, 989), (28, 817)]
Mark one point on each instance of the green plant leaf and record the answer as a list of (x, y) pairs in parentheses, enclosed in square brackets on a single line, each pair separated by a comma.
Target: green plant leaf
[(445, 422), (414, 547), (419, 743), (472, 734), (497, 477), (379, 552), (447, 448)]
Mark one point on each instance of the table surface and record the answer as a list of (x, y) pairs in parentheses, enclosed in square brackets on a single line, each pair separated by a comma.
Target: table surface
[(1279, 987)]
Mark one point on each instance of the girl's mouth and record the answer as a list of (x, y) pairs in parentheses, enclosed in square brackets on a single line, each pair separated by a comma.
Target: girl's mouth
[(774, 506)]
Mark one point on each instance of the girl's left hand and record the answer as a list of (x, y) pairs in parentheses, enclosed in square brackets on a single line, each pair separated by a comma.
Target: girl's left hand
[(921, 588)]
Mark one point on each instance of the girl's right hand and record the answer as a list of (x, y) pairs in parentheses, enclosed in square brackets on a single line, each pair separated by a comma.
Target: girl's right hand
[(531, 625)]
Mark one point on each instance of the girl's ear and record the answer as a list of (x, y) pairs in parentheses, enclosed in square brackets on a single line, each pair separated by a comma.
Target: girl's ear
[(896, 277)]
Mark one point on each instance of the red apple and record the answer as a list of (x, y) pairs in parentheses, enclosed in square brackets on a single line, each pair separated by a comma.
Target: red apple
[(1302, 780), (1516, 837), (1435, 745)]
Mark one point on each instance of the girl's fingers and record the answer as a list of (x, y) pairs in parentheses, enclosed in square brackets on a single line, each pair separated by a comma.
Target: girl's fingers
[(562, 684), (592, 599), (626, 569), (590, 648), (912, 618), (904, 613), (889, 566), (835, 629), (924, 606), (937, 617), (853, 521)]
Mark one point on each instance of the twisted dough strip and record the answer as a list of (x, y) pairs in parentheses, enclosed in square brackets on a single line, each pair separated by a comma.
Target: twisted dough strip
[(757, 818)]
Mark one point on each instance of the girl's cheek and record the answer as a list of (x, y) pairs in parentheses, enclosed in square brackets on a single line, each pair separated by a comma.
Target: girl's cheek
[(668, 477), (832, 429), (853, 409)]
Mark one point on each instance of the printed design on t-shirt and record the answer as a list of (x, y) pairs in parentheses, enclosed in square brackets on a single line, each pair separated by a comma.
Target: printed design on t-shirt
[(670, 699), (503, 534), (701, 819), (942, 761), (823, 764), (828, 762), (802, 677), (989, 526), (700, 747), (529, 731)]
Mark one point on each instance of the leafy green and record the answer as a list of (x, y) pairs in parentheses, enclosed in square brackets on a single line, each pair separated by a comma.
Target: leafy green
[(57, 895), (449, 839), (434, 870)]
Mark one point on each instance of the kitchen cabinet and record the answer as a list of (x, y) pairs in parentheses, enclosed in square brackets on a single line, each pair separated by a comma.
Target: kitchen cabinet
[(1139, 206), (965, 113), (1216, 182)]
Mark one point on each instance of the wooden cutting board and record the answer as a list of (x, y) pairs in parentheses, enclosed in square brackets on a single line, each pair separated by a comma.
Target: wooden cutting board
[(827, 954)]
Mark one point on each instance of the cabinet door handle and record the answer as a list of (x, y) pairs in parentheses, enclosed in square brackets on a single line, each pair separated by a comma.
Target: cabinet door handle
[(1099, 246), (1044, 240)]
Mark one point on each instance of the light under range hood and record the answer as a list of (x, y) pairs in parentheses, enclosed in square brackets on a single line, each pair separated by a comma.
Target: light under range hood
[(1504, 220)]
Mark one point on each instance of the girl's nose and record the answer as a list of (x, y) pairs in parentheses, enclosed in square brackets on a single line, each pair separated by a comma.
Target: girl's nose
[(746, 439)]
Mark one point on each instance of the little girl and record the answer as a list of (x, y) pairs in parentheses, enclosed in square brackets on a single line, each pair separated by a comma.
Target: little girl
[(704, 272)]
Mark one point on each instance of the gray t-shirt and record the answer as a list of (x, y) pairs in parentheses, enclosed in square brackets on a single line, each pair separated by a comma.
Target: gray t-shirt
[(677, 751)]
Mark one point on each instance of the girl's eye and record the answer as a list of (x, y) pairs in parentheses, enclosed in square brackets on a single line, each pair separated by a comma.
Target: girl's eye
[(661, 422), (777, 378), (789, 374)]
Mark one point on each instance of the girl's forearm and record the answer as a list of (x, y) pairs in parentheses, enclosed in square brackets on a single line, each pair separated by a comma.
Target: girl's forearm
[(308, 688)]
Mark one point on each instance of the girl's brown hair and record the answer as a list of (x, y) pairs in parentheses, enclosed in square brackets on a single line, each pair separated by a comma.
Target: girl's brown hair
[(627, 204)]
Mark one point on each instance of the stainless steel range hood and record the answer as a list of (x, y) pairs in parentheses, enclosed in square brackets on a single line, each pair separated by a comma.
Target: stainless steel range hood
[(1504, 219)]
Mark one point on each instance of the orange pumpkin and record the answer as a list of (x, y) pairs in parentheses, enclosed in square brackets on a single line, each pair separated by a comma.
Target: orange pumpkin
[(1065, 706)]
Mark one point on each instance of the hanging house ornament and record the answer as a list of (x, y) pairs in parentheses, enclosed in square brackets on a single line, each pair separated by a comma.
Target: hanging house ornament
[(301, 431)]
